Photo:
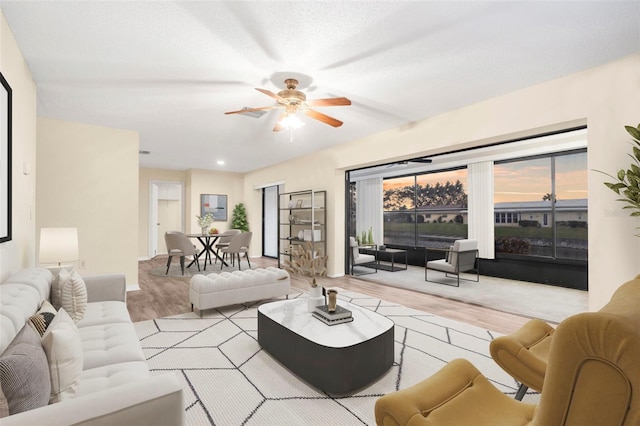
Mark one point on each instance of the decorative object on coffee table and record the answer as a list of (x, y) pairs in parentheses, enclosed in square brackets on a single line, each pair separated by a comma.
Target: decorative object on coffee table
[(307, 262), (339, 315), (333, 300)]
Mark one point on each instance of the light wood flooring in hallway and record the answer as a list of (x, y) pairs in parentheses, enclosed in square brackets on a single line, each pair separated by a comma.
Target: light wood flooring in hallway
[(161, 296)]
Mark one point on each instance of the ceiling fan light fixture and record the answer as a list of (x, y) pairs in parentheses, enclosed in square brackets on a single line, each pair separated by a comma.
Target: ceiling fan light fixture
[(291, 122)]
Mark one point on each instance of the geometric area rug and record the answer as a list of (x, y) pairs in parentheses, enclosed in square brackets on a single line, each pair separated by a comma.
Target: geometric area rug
[(229, 380)]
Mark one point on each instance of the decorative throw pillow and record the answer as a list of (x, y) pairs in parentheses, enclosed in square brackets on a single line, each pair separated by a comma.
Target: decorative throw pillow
[(4, 405), (72, 292), (24, 373), (43, 318), (63, 347), (56, 291)]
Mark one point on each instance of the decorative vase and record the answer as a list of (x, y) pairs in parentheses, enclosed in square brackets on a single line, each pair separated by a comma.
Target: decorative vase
[(315, 298), (204, 230)]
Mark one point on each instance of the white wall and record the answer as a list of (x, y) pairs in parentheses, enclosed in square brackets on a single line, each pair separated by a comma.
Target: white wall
[(20, 251), (605, 98), (88, 178)]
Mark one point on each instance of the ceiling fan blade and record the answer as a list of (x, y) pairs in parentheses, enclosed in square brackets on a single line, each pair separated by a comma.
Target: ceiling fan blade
[(240, 111), (278, 127), (329, 102), (273, 95), (323, 117)]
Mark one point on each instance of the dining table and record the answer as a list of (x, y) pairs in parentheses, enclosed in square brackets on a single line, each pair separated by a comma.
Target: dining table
[(207, 241)]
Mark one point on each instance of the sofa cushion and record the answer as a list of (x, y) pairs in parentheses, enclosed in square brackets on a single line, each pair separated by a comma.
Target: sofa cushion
[(41, 320), (99, 313), (70, 292), (24, 373), (17, 303), (38, 278), (63, 347), (109, 376), (4, 405), (110, 344)]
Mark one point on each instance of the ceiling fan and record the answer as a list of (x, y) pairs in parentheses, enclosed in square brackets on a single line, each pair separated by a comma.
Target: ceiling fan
[(292, 101)]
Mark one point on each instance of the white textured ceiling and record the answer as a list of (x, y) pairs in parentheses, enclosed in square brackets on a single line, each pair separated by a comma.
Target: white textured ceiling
[(170, 69)]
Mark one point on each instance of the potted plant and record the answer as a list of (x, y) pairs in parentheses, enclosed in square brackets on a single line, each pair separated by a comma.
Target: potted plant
[(627, 182), (239, 218)]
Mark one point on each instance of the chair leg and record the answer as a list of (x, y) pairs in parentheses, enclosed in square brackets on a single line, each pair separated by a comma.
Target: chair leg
[(198, 264), (168, 264), (182, 264), (522, 390), (248, 261), (238, 261)]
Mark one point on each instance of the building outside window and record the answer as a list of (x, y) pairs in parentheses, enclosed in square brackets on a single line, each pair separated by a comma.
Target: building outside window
[(552, 192)]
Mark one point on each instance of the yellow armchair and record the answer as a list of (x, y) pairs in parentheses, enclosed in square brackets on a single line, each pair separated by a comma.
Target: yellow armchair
[(524, 354), (592, 378), (457, 395)]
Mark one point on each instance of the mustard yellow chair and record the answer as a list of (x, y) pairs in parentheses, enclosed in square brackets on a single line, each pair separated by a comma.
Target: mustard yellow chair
[(592, 378), (524, 354)]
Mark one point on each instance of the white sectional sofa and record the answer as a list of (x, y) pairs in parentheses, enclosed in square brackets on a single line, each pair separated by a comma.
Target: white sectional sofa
[(115, 386)]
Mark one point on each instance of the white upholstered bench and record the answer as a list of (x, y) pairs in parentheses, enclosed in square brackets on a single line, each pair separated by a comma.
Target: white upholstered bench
[(229, 288)]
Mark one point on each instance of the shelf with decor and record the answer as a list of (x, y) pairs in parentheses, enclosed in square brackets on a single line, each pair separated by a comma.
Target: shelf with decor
[(301, 219)]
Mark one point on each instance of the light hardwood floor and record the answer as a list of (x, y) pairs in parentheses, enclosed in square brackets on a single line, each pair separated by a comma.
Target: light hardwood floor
[(163, 296)]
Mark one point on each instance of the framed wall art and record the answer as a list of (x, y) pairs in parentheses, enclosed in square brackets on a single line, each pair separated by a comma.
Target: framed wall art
[(214, 204), (5, 160)]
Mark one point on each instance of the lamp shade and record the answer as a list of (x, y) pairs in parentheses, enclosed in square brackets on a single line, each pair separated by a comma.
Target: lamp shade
[(58, 245)]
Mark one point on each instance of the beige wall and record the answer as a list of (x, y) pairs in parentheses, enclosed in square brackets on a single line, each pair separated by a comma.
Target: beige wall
[(604, 98), (88, 178), (20, 251), (212, 182)]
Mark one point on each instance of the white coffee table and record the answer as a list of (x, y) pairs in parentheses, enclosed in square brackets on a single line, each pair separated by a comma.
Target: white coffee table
[(338, 358)]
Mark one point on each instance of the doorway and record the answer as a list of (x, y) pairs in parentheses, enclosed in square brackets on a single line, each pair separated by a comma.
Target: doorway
[(166, 213), (270, 221)]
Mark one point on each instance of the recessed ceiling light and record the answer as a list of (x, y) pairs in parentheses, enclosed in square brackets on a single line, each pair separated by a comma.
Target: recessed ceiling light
[(220, 162)]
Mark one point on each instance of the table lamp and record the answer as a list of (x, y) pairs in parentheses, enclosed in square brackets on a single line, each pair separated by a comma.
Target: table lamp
[(58, 245)]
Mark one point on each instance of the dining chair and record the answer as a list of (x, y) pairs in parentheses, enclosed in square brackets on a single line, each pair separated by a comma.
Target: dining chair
[(225, 239), (239, 244), (178, 244)]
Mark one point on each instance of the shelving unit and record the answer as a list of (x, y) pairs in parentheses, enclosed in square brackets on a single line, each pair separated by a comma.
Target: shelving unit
[(301, 218)]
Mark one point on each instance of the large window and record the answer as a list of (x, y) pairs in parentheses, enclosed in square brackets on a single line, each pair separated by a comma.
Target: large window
[(540, 206), (425, 210)]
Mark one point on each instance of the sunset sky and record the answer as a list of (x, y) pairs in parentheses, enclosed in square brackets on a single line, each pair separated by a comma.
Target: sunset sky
[(527, 180)]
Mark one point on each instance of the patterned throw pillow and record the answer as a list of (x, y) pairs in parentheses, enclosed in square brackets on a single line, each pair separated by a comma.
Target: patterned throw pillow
[(4, 404), (24, 373), (41, 319), (71, 292)]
